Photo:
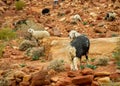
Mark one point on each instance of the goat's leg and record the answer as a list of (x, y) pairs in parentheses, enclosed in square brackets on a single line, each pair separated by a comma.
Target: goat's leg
[(87, 59), (80, 63), (75, 63), (72, 66)]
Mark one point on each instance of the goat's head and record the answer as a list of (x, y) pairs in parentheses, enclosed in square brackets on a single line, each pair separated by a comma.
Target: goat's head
[(30, 30)]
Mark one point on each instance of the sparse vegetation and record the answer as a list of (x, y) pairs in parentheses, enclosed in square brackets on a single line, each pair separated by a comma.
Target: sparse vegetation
[(2, 46), (110, 84), (85, 23), (91, 66), (4, 82), (82, 66), (88, 66), (35, 57), (102, 61), (116, 54), (35, 53), (57, 65), (7, 34), (19, 5), (22, 65), (92, 59)]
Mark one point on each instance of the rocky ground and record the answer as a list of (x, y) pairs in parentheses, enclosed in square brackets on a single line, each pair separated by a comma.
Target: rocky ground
[(52, 68)]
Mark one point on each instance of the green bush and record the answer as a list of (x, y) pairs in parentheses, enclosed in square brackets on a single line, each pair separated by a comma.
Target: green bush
[(88, 66), (35, 57), (91, 66), (85, 23), (7, 34), (19, 5)]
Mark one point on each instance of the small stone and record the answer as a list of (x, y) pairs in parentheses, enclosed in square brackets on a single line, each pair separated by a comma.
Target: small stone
[(54, 79), (100, 30), (95, 83), (1, 72), (104, 80), (102, 73), (102, 1), (118, 71), (62, 19), (93, 14), (26, 78), (18, 80), (57, 32)]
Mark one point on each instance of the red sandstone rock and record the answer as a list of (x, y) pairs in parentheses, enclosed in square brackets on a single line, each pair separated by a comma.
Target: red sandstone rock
[(65, 81), (95, 83), (73, 73), (41, 78), (81, 80), (115, 76), (87, 71), (24, 84)]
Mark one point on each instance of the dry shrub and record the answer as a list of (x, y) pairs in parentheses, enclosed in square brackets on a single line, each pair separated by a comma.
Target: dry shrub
[(116, 53), (102, 61), (57, 65), (7, 34), (19, 5)]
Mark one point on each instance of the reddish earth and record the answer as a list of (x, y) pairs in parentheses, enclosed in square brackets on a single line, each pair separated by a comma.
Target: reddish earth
[(58, 23)]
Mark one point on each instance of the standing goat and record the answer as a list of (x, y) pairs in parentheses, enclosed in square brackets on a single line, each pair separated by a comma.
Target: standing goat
[(80, 45), (38, 34)]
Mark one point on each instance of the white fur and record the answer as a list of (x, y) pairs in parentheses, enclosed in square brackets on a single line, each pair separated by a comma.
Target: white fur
[(73, 58), (39, 34), (76, 17), (73, 34)]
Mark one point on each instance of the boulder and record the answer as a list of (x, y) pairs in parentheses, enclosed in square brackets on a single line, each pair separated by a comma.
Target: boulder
[(82, 80), (87, 71), (64, 81), (115, 77), (73, 73), (40, 78)]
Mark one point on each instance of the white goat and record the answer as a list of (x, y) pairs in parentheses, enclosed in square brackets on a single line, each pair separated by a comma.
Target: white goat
[(39, 34), (76, 18)]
